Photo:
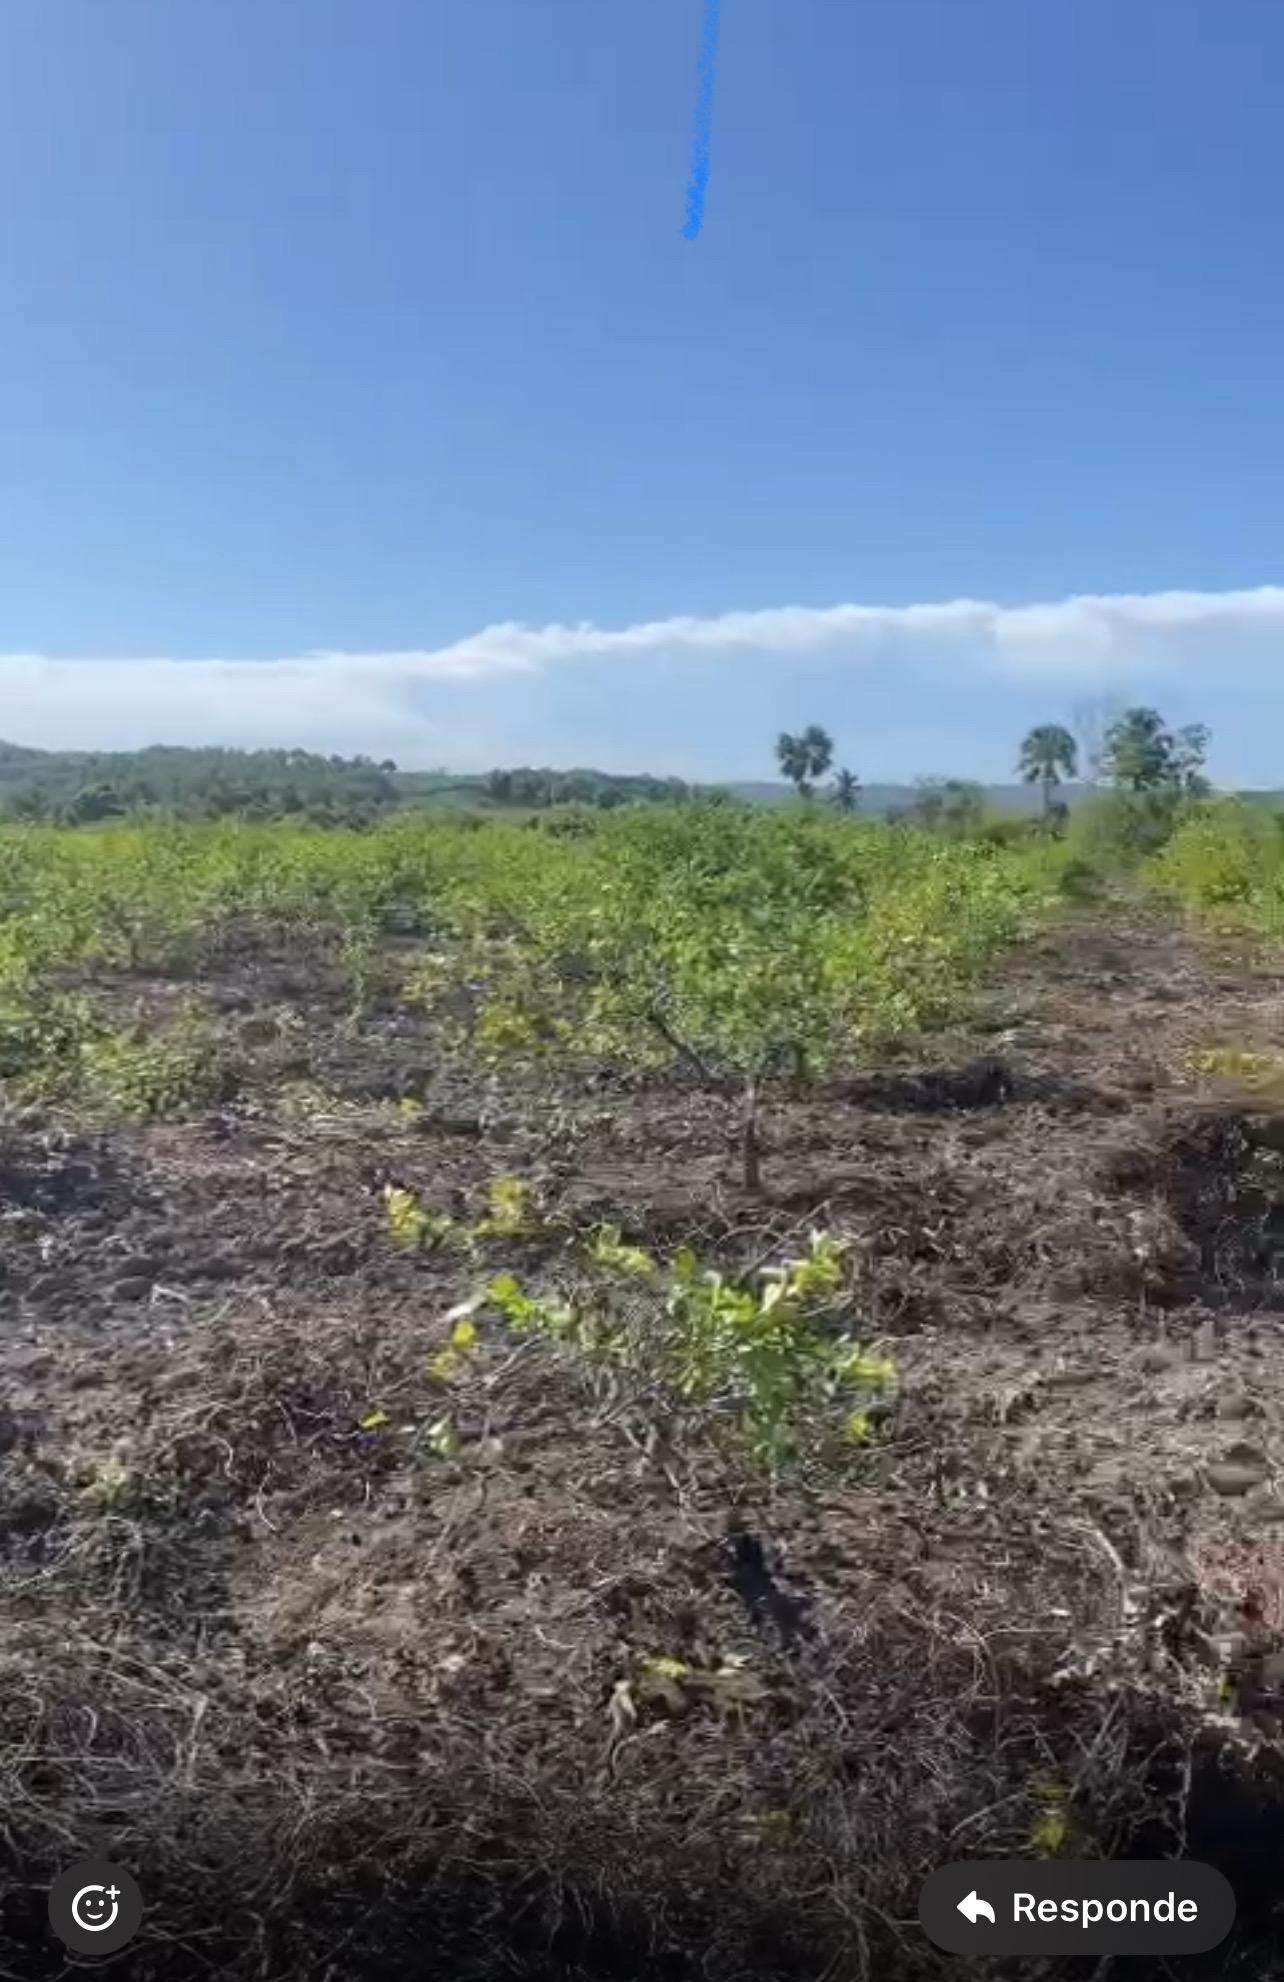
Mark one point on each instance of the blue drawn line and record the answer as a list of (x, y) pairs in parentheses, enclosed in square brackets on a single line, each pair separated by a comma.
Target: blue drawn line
[(704, 111)]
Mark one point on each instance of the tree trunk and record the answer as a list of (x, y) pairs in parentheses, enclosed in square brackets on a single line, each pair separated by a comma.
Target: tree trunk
[(750, 1150)]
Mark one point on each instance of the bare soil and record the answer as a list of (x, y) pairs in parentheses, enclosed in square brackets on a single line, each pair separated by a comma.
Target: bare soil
[(348, 1708)]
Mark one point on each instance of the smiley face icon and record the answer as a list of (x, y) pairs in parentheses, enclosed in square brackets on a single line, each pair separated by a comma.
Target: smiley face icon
[(95, 1907)]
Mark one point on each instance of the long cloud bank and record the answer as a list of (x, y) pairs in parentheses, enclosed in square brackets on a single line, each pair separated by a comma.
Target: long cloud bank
[(376, 701), (1090, 620)]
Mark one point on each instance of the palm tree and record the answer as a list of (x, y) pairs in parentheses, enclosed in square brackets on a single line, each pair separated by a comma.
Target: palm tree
[(805, 758), (844, 792), (791, 759), (820, 749), (1136, 751), (1048, 754)]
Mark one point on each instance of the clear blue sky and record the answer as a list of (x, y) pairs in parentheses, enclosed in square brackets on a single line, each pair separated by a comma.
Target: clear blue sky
[(366, 328)]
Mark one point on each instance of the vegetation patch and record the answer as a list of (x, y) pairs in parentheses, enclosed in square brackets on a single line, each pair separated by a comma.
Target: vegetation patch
[(583, 1402)]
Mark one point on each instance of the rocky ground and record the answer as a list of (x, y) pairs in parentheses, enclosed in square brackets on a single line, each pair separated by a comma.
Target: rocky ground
[(349, 1705)]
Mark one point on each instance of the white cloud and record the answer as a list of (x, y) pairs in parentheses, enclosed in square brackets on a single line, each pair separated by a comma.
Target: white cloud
[(376, 701), (1067, 623)]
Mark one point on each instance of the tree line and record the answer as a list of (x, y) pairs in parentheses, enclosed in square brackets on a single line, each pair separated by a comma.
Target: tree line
[(82, 788), (1136, 754)]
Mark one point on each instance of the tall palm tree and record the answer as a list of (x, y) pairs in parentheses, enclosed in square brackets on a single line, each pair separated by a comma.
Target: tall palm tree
[(792, 759), (1048, 754), (1137, 751), (805, 758), (844, 792)]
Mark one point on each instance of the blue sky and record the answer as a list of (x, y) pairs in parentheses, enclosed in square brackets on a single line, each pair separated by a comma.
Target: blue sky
[(358, 389)]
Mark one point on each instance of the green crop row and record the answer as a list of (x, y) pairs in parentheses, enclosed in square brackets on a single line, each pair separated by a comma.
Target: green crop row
[(734, 940)]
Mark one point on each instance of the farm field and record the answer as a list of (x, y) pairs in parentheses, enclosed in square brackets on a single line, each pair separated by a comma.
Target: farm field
[(594, 1401)]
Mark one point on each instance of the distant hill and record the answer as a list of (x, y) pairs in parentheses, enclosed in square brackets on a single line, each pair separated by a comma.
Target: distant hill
[(879, 799), (79, 787)]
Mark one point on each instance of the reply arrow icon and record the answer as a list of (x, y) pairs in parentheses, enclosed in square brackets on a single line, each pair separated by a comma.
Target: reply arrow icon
[(974, 1908)]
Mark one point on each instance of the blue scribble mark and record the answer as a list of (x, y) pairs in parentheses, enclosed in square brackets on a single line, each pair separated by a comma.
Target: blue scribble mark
[(704, 111)]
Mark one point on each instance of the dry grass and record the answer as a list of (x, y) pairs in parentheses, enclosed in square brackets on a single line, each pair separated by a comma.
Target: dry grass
[(350, 1708)]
